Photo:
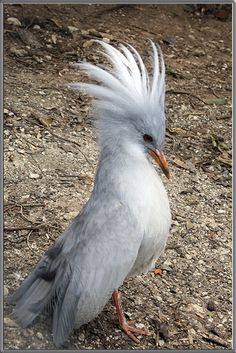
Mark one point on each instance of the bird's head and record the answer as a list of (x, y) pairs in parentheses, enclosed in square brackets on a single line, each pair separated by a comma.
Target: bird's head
[(129, 104)]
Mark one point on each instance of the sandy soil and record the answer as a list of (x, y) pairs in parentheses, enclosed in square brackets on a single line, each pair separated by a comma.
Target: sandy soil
[(48, 132)]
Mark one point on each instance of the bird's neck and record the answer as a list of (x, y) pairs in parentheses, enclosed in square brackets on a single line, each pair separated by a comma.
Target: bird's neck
[(122, 164), (121, 154)]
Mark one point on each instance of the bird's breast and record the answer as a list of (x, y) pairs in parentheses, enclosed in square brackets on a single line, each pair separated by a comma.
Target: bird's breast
[(147, 198)]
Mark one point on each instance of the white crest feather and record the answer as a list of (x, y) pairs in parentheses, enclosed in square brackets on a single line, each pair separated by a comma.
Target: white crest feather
[(127, 84)]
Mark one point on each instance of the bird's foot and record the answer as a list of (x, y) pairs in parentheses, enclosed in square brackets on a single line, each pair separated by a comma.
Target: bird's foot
[(123, 323), (129, 329)]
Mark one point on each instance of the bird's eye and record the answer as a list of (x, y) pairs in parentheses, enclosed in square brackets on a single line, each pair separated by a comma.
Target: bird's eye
[(147, 138)]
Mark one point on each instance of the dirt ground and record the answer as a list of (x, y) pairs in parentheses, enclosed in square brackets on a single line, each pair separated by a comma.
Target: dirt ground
[(51, 156)]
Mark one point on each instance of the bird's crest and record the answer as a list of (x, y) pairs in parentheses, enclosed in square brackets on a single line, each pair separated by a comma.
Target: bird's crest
[(127, 84)]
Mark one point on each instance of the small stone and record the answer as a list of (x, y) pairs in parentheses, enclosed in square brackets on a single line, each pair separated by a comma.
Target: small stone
[(48, 57), (70, 215), (18, 52), (199, 52), (72, 29), (169, 39), (6, 291), (94, 32), (88, 43), (161, 343), (164, 331), (39, 336), (191, 37), (189, 225), (36, 58), (9, 322), (140, 326), (211, 306), (34, 176), (106, 40), (14, 21), (107, 36), (166, 267), (84, 32), (191, 335), (81, 336), (197, 309), (36, 27), (221, 211)]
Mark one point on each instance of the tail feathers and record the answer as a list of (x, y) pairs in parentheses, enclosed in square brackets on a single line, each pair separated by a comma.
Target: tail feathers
[(19, 293), (50, 287), (65, 310), (33, 302)]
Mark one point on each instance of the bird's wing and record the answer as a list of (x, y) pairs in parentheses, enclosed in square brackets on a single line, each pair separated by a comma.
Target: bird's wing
[(101, 260), (79, 272)]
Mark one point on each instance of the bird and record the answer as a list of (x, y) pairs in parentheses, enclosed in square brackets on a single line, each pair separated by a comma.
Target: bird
[(124, 226)]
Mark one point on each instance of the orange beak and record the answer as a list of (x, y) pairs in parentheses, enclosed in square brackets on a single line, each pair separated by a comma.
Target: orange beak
[(161, 161)]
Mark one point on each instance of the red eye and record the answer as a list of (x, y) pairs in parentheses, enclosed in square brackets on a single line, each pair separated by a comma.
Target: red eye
[(147, 138)]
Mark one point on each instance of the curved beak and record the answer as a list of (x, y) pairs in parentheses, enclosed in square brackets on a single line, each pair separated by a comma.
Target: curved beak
[(160, 158)]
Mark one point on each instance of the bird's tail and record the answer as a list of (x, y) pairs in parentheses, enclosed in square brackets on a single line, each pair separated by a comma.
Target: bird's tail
[(46, 289)]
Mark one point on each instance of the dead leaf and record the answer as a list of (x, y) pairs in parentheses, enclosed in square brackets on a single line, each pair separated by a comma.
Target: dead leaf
[(157, 271), (44, 120), (188, 165)]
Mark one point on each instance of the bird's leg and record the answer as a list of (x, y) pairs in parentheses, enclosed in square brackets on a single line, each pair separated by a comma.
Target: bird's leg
[(122, 321)]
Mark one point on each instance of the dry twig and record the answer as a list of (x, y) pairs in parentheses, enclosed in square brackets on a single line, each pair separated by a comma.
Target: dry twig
[(215, 339), (171, 91)]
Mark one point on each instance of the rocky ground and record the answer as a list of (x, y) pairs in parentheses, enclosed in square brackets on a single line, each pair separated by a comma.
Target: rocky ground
[(51, 155)]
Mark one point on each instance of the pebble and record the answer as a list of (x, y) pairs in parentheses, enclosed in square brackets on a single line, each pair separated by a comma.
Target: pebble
[(211, 305), (161, 343), (39, 336), (191, 37), (197, 309), (9, 322), (34, 176), (189, 225), (199, 52), (88, 43), (81, 337), (220, 211), (70, 215), (72, 29), (94, 32), (6, 291), (14, 21), (140, 326), (106, 40), (18, 52), (36, 27)]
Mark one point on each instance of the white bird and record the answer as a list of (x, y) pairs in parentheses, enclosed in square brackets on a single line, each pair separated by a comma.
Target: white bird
[(123, 228)]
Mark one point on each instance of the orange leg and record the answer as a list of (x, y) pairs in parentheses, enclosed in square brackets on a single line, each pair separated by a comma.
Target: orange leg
[(122, 321)]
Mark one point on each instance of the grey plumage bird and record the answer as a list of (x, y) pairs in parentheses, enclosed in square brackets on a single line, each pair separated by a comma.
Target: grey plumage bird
[(123, 227)]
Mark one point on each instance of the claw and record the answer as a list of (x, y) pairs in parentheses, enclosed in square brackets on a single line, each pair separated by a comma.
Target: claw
[(123, 323)]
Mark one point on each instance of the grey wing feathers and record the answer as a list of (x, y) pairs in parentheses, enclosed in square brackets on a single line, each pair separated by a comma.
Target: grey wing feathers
[(78, 274)]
